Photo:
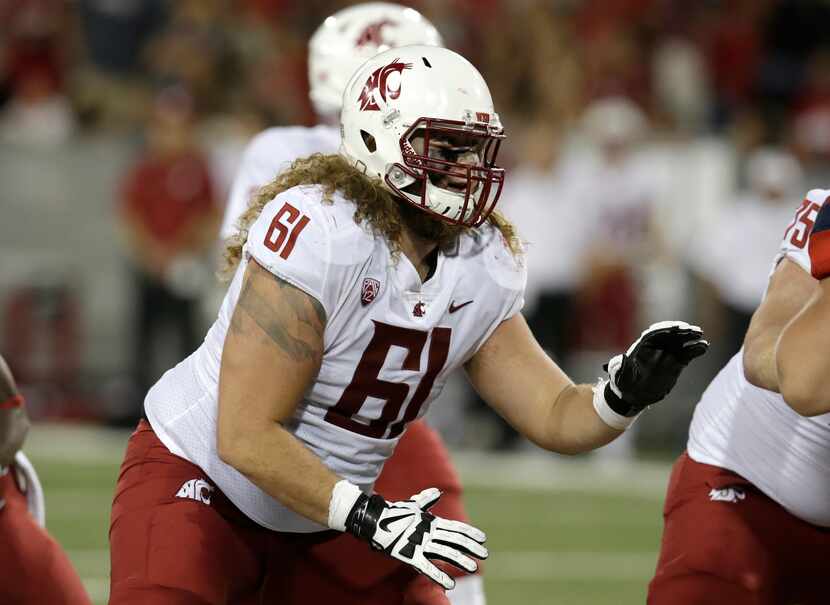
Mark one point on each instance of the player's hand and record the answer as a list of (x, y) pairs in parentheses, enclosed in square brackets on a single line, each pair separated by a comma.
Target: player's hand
[(406, 531), (646, 373), (819, 246)]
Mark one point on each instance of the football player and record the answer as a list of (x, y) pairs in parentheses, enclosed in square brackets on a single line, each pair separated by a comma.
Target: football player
[(747, 511), (339, 46), (361, 280), (35, 569), (802, 373)]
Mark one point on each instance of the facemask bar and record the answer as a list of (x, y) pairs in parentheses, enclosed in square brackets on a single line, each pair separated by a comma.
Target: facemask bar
[(484, 182)]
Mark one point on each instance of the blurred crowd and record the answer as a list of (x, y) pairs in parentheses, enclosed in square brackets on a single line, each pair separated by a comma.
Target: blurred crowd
[(657, 148), (757, 68)]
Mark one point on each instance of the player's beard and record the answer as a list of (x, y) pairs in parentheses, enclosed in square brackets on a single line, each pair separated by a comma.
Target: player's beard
[(428, 227)]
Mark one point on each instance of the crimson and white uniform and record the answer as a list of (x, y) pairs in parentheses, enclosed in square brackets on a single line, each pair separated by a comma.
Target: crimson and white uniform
[(744, 503), (754, 433), (420, 459), (390, 342), (268, 154)]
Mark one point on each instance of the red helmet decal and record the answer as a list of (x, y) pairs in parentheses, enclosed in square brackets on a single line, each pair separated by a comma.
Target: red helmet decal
[(378, 81), (373, 34), (370, 290)]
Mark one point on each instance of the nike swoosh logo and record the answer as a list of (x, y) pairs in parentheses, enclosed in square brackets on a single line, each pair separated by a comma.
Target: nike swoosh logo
[(385, 523), (454, 308)]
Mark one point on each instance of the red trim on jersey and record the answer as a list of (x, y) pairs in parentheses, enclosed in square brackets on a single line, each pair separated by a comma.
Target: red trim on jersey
[(819, 249), (15, 401)]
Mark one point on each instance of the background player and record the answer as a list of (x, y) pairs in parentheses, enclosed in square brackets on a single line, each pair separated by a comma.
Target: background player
[(339, 46), (35, 570), (343, 281), (748, 504)]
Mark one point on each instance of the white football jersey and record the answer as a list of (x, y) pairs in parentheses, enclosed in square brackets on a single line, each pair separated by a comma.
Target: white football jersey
[(268, 154), (390, 342), (754, 433)]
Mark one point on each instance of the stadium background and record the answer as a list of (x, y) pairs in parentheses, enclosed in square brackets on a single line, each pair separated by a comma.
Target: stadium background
[(698, 89)]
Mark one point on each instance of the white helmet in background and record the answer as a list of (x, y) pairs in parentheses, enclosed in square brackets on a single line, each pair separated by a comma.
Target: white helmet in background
[(351, 36), (773, 172), (615, 120), (410, 115)]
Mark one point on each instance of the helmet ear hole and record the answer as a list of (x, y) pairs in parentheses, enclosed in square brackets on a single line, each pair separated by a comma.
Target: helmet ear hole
[(369, 141), (426, 62)]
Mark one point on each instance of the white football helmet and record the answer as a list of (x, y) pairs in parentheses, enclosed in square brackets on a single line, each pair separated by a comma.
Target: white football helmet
[(410, 115), (350, 36)]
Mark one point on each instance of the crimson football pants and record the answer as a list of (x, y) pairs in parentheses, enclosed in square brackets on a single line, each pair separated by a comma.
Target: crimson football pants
[(169, 550), (34, 570), (724, 541)]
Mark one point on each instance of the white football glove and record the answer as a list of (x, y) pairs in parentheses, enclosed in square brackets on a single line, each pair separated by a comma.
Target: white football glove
[(406, 531)]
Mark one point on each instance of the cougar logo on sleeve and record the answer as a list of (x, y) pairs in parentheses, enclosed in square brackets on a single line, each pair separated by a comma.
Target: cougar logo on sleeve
[(370, 290), (384, 82)]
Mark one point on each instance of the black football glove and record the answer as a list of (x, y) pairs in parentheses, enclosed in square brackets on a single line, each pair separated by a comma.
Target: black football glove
[(406, 531), (646, 373)]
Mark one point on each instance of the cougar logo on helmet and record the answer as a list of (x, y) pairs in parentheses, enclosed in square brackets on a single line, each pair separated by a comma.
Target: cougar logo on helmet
[(378, 82), (373, 34)]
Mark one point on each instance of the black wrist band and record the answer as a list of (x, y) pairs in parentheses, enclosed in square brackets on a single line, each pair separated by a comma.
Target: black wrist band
[(617, 404), (363, 518)]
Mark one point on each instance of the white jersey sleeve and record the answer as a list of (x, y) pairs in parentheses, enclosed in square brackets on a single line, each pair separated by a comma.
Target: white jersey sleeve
[(509, 272), (797, 234), (503, 283), (291, 239), (268, 154)]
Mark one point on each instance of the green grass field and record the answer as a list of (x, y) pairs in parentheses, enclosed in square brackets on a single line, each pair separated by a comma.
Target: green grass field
[(571, 532)]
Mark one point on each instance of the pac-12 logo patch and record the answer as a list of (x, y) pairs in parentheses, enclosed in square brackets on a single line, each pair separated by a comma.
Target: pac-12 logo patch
[(369, 291)]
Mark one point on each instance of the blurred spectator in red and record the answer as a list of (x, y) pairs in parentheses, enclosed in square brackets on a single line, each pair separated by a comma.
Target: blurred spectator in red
[(616, 64), (36, 112), (169, 215), (734, 52), (617, 192), (614, 47)]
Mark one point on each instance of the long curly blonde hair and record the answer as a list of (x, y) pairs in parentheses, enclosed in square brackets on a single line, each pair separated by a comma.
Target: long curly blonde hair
[(375, 205)]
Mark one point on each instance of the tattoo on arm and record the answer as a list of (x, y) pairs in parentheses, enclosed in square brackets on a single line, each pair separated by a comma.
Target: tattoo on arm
[(282, 320)]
